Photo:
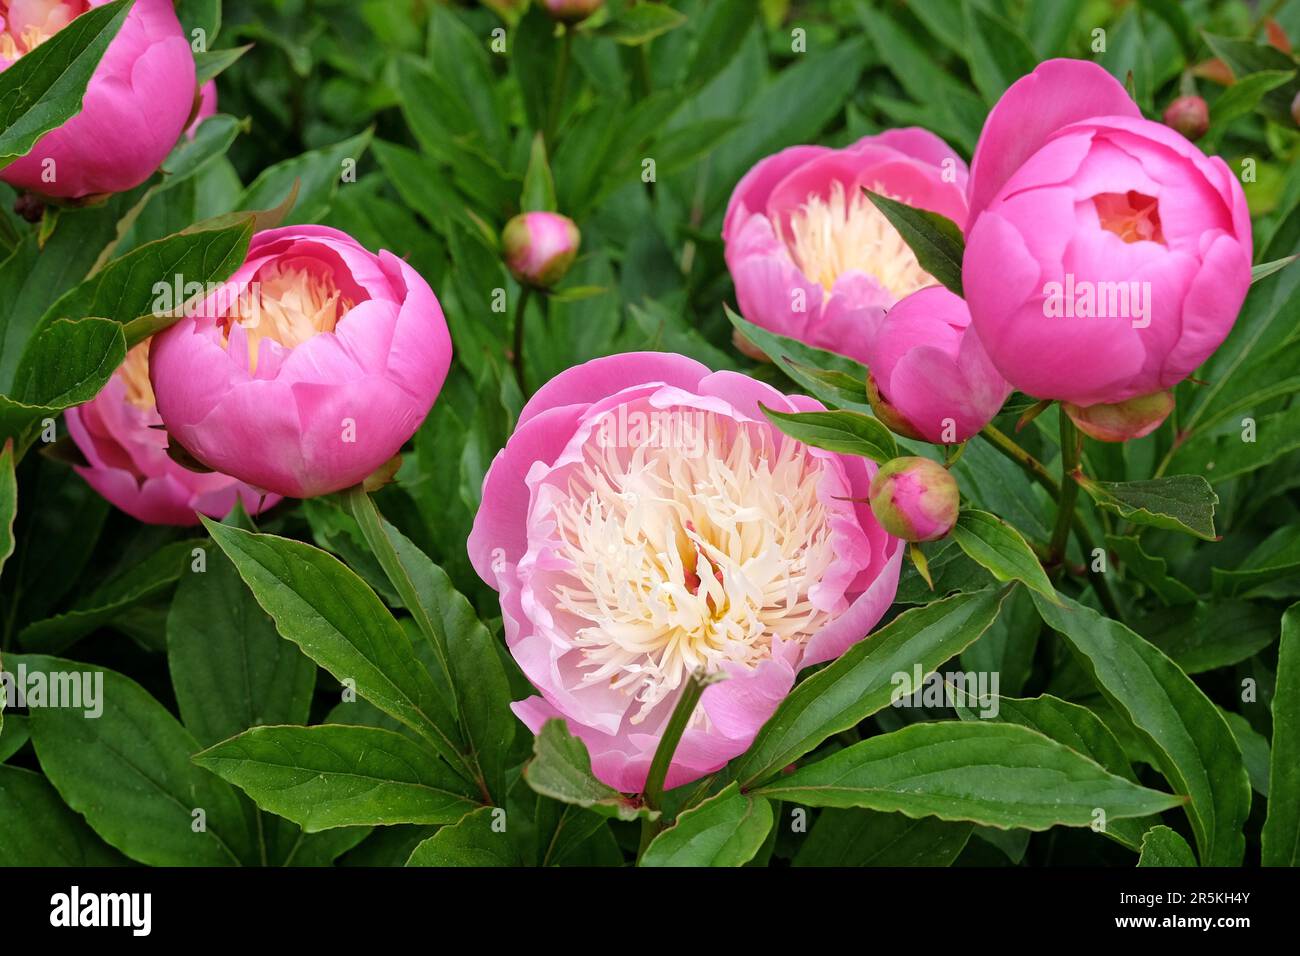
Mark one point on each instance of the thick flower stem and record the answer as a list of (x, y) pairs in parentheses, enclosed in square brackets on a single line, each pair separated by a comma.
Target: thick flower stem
[(1036, 470), (653, 793), (1071, 447), (517, 355)]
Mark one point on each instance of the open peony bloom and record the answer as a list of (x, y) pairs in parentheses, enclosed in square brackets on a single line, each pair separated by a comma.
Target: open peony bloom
[(645, 522), (309, 369), (930, 377), (134, 110), (811, 256), (120, 435), (1106, 256)]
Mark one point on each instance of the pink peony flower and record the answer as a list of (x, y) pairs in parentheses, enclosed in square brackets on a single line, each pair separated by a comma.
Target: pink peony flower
[(645, 522), (811, 257), (915, 499), (207, 107), (1106, 256), (134, 110), (930, 377), (572, 11), (120, 435), (540, 247), (309, 369)]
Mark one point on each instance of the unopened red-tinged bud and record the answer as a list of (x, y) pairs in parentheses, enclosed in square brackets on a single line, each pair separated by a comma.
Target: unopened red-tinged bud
[(1123, 421), (915, 499), (1189, 115), (540, 247), (572, 11)]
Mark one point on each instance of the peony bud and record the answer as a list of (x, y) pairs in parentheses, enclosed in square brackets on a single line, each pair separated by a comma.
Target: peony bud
[(1295, 109), (1189, 115), (540, 247), (1123, 421), (915, 499), (134, 110), (571, 11)]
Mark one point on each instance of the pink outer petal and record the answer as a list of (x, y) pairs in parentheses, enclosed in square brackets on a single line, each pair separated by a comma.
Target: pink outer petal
[(1057, 93), (771, 292), (1210, 308), (133, 113), (920, 144), (600, 378), (750, 194)]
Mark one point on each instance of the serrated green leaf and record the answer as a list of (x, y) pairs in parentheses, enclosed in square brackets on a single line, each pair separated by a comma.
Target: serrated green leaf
[(1180, 503)]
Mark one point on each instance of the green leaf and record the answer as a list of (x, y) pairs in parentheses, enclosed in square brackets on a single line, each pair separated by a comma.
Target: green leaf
[(44, 89), (1079, 729), (1210, 634), (1163, 847), (1266, 269), (1000, 775), (1276, 557), (465, 651), (1245, 58), (1255, 750), (806, 366), (127, 290), (212, 63), (475, 841), (128, 772), (38, 829), (1280, 839), (865, 679), (640, 24), (936, 240), (856, 837), (14, 733), (725, 830), (1220, 457), (317, 173), (539, 187), (229, 667), (999, 54), (1151, 571), (65, 365), (1179, 503), (339, 776), (561, 769), (1241, 98), (678, 148), (1190, 741), (997, 546), (339, 623), (8, 501), (850, 433), (137, 583)]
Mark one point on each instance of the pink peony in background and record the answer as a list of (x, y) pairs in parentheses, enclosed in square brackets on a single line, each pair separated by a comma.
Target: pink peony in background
[(930, 377), (645, 521), (1073, 193), (125, 448), (135, 108), (811, 257), (309, 369)]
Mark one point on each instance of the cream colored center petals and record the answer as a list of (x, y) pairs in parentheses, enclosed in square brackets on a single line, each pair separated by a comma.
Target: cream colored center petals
[(288, 304), (57, 14), (829, 237), (685, 558), (134, 373)]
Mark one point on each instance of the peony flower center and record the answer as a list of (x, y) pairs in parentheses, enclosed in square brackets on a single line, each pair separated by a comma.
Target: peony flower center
[(134, 373), (682, 556), (1132, 216), (27, 24), (289, 302), (829, 237)]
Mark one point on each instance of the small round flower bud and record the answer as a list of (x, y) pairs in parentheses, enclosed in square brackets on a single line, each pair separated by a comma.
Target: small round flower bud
[(540, 247), (1189, 115), (1123, 421), (572, 11), (915, 499), (1295, 109)]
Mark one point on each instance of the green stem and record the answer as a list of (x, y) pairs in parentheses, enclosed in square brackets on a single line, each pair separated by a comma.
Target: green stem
[(557, 92), (1071, 446), (653, 792), (517, 357)]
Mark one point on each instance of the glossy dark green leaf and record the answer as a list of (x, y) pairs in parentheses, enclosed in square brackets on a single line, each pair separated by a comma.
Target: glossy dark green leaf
[(1163, 847), (1280, 840), (38, 829), (856, 837), (561, 769), (996, 545), (478, 839), (1180, 503), (850, 433), (935, 240), (725, 830)]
